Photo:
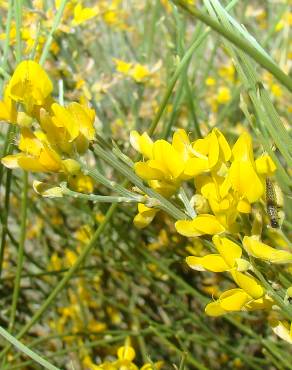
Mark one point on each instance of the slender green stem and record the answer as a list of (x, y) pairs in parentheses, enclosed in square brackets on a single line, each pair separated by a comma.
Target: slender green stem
[(5, 217), (18, 19), (241, 43), (102, 198), (56, 23), (28, 352), (20, 251)]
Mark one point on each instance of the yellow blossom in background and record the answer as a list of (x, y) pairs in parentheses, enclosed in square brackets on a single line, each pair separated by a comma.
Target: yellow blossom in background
[(223, 95), (82, 14)]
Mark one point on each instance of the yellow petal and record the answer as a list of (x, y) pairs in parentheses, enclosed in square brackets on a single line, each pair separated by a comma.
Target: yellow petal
[(31, 164), (214, 309), (223, 144), (263, 303), (249, 284), (84, 117), (71, 166), (146, 172), (213, 149), (245, 180), (126, 353), (142, 143), (229, 250), (181, 142), (243, 206), (30, 84), (265, 165), (265, 252), (242, 149), (211, 262), (145, 216), (196, 166), (11, 161), (282, 330), (46, 190), (234, 299), (29, 143), (202, 224), (168, 158)]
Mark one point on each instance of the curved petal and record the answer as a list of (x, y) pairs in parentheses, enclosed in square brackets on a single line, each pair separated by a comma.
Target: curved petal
[(211, 262), (202, 224), (265, 252), (229, 250), (249, 284)]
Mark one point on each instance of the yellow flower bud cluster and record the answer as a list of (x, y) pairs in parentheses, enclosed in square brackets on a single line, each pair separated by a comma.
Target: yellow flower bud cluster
[(52, 137)]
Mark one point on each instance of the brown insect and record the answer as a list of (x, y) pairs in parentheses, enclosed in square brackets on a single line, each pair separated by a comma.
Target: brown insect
[(271, 200)]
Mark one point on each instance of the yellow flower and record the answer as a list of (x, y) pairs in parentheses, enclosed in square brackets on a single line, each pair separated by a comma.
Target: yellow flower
[(140, 73), (164, 169), (207, 153), (200, 225), (77, 119), (37, 155), (145, 216), (264, 252), (8, 112), (265, 165), (237, 300), (228, 259), (29, 84), (82, 15), (122, 66), (242, 174), (81, 183), (223, 96), (229, 301)]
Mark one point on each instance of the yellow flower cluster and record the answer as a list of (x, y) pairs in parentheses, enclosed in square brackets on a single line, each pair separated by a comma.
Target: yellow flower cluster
[(227, 180), (125, 360), (52, 136)]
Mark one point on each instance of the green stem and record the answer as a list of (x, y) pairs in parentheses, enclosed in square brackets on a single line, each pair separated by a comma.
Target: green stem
[(20, 251), (18, 19), (49, 41), (28, 352), (5, 217), (240, 43), (60, 286), (102, 198), (163, 203)]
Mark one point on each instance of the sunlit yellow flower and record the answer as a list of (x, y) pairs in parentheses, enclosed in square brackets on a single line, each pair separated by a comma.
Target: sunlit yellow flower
[(200, 225), (208, 153), (242, 173), (263, 251), (164, 168), (77, 119), (37, 156), (29, 84), (229, 301)]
